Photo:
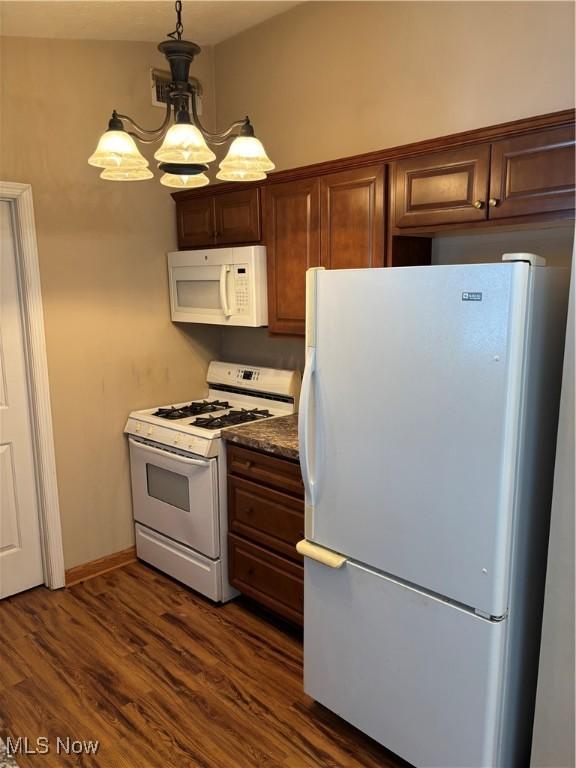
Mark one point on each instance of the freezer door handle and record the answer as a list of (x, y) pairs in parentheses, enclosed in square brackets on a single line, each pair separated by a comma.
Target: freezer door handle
[(304, 426), (320, 554)]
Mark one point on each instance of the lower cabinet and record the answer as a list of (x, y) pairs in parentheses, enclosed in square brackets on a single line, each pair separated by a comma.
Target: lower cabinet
[(265, 521)]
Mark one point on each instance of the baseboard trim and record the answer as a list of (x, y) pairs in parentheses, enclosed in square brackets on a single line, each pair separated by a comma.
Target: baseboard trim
[(98, 567)]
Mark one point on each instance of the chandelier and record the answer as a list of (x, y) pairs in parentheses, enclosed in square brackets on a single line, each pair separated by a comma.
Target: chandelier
[(184, 154)]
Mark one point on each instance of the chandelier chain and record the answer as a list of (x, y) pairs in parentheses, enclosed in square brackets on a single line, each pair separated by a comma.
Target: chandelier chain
[(177, 34)]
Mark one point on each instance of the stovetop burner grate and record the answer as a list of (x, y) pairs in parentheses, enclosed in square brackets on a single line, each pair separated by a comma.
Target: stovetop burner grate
[(192, 409), (243, 416)]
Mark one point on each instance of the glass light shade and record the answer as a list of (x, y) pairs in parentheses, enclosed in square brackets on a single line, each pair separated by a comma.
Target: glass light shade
[(246, 153), (184, 144), (181, 181), (117, 150), (227, 175), (126, 174)]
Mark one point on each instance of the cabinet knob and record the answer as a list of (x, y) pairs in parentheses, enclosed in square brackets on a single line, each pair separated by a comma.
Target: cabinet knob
[(216, 235), (249, 464), (493, 202), (478, 203)]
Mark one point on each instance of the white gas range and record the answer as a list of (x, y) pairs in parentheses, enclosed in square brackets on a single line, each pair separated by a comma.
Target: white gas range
[(178, 468)]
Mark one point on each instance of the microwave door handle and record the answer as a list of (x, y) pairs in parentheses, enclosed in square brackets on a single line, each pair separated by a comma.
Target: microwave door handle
[(168, 454), (224, 269)]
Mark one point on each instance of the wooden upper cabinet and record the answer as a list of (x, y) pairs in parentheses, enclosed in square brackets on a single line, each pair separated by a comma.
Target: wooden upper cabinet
[(532, 174), (352, 218), (195, 222), (228, 218), (237, 217), (441, 187), (292, 236)]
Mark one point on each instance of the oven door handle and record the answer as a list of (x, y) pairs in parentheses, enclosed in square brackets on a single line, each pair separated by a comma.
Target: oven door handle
[(224, 269), (168, 454)]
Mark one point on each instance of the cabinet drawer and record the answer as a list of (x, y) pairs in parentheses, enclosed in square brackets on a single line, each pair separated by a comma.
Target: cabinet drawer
[(270, 579), (268, 517), (263, 468)]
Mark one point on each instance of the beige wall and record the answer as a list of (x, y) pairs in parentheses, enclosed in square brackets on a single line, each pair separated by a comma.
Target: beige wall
[(257, 347), (331, 79), (111, 346)]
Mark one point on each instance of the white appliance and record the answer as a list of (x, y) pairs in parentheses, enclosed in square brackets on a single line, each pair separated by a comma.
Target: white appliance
[(178, 469), (219, 286), (427, 426)]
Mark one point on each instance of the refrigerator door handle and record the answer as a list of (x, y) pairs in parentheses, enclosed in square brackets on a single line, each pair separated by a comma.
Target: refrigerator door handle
[(303, 426), (320, 554)]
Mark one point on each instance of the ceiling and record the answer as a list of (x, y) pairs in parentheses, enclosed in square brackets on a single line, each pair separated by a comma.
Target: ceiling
[(205, 21)]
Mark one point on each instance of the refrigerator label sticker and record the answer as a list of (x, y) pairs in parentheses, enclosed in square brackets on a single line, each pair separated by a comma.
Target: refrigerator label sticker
[(472, 296)]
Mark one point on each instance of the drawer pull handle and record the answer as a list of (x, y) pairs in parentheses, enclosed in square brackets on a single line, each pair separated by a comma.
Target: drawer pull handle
[(320, 554)]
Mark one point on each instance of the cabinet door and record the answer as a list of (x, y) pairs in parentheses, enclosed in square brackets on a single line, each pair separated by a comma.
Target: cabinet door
[(291, 221), (441, 188), (195, 218), (237, 217), (352, 218), (533, 174), (271, 580)]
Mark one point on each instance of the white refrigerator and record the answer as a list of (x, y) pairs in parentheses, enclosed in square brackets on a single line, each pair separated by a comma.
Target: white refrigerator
[(427, 428)]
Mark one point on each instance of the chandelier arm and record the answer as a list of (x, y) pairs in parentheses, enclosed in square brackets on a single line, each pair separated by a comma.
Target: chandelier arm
[(214, 138), (142, 139), (154, 134)]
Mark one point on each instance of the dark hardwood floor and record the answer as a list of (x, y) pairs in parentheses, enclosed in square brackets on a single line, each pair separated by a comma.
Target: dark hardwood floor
[(163, 679)]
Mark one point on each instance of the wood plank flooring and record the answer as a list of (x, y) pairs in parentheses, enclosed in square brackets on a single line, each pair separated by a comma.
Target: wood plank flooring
[(163, 679)]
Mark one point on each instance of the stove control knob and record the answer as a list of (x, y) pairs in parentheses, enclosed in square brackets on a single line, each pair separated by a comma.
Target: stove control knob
[(150, 430), (176, 440), (137, 428)]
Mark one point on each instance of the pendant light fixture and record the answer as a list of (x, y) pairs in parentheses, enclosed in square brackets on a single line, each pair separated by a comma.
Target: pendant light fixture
[(184, 154)]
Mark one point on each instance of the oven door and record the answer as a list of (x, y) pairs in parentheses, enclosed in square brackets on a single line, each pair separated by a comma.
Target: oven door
[(176, 495)]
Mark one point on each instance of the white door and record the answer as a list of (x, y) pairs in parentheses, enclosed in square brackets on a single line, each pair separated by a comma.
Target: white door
[(416, 392), (20, 550)]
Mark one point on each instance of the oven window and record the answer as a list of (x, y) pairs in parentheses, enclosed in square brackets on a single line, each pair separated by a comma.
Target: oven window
[(167, 486), (198, 294)]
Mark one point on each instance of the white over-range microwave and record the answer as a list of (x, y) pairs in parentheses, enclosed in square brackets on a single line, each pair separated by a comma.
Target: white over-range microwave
[(220, 286)]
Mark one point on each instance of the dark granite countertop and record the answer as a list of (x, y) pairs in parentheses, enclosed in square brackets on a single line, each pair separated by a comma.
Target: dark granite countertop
[(278, 435)]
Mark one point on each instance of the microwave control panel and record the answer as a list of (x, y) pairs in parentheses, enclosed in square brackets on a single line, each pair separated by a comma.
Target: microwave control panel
[(241, 296)]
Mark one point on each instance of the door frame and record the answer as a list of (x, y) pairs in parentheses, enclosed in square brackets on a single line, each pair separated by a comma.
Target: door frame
[(19, 196)]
